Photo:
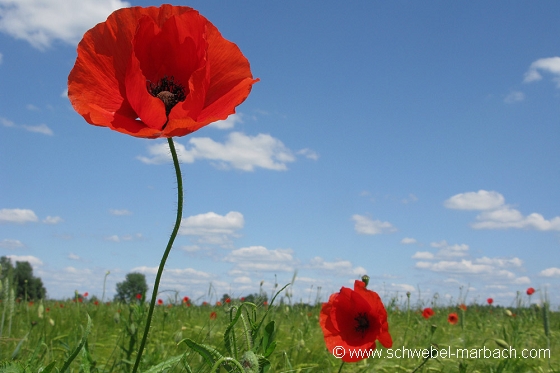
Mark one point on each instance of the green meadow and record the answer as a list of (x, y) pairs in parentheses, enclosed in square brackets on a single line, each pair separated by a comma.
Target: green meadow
[(70, 336)]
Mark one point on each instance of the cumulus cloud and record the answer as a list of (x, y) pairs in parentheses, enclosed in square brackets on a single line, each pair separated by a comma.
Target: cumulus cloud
[(239, 151), (506, 217), (496, 214), (337, 268), (366, 225), (550, 272), (259, 258), (52, 220), (212, 223), (549, 65), (227, 123), (450, 251), (19, 216), (33, 260), (41, 22), (481, 200), (11, 244)]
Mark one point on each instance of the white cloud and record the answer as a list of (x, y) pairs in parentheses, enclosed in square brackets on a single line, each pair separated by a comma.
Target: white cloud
[(408, 241), (259, 258), (31, 107), (41, 128), (34, 261), (550, 272), (497, 215), (211, 223), (411, 198), (6, 122), (227, 123), (550, 65), (366, 225), (450, 251), (500, 262), (402, 287), (40, 22), (120, 212), (242, 280), (52, 220), (337, 268), (73, 256), (113, 238), (424, 255), (19, 216), (239, 151), (11, 244), (506, 217), (514, 96), (125, 237), (481, 200), (308, 153)]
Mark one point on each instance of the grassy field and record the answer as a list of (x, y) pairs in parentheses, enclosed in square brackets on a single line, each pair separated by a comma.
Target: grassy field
[(45, 335)]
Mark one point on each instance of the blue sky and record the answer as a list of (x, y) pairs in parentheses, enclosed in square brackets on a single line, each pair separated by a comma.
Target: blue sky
[(416, 142)]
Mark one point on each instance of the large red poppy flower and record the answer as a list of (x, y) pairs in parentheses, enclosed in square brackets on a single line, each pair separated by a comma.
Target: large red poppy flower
[(453, 318), (157, 72), (354, 319), (427, 313)]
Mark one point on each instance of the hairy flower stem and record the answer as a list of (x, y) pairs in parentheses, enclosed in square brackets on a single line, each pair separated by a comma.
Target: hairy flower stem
[(166, 252)]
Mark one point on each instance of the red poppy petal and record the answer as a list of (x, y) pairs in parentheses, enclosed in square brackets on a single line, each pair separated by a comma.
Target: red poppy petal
[(230, 77)]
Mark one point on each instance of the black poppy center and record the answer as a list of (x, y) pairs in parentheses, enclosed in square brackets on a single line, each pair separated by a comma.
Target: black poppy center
[(168, 91), (362, 323)]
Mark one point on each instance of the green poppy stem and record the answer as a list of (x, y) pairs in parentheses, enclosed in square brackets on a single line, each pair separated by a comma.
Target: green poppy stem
[(166, 252)]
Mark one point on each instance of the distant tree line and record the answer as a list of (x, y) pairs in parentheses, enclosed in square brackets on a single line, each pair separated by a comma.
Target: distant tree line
[(21, 279)]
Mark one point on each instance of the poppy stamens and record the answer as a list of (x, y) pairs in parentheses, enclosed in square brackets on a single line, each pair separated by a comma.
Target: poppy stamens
[(363, 323), (168, 91)]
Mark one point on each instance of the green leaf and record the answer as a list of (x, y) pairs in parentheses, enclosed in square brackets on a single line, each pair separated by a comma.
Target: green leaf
[(208, 353), (48, 369), (164, 365), (78, 348)]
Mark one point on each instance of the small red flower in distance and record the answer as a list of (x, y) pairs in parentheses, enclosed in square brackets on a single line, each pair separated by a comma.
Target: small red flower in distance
[(228, 301), (138, 296), (159, 301), (242, 299), (86, 294), (186, 299), (157, 72), (490, 300), (354, 319), (427, 313), (463, 307), (213, 315), (453, 318), (96, 303), (218, 303), (530, 291)]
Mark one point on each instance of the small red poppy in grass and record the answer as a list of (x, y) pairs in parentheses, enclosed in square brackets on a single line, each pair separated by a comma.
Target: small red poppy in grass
[(218, 303), (463, 307), (159, 301), (86, 294), (30, 303), (530, 291), (138, 296), (228, 301), (157, 72), (96, 303), (186, 299), (204, 303), (61, 305), (354, 319), (427, 313), (242, 299), (453, 318), (47, 309), (490, 301), (213, 315)]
